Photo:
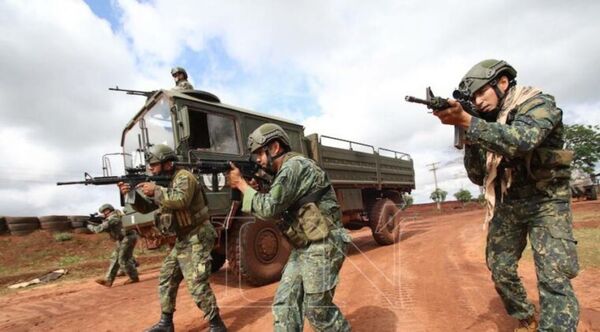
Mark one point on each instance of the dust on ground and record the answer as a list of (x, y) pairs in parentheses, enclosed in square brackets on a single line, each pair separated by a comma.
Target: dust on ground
[(434, 279)]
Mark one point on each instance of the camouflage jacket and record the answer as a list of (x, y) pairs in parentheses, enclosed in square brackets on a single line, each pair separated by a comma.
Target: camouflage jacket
[(297, 177), (112, 224), (184, 85), (180, 206), (532, 127)]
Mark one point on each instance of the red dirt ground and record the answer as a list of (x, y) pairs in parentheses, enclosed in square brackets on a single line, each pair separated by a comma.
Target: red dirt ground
[(434, 279)]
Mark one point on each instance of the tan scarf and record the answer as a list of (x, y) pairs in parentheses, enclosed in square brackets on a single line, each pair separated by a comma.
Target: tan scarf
[(514, 97)]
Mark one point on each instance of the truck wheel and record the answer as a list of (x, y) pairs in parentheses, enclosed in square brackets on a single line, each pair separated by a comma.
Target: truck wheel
[(218, 260), (385, 222), (257, 251)]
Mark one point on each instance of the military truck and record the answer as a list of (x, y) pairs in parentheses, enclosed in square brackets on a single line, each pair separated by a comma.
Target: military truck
[(369, 182)]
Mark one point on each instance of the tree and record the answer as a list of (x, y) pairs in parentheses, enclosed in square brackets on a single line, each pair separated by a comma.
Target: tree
[(438, 195), (408, 200), (585, 142), (463, 195)]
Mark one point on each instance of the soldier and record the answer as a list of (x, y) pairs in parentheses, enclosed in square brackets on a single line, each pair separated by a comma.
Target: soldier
[(180, 76), (122, 256), (515, 150), (302, 194), (182, 210)]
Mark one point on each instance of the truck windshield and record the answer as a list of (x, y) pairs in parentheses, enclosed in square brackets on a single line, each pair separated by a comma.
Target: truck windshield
[(157, 122), (155, 127)]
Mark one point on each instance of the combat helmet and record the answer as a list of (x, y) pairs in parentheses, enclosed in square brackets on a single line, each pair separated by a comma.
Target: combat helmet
[(176, 70), (105, 206), (485, 72), (160, 153), (266, 133)]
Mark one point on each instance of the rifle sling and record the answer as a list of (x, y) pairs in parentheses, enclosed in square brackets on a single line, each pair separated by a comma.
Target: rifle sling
[(313, 197)]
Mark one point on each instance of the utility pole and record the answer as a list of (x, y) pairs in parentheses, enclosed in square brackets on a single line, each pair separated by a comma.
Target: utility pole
[(433, 169)]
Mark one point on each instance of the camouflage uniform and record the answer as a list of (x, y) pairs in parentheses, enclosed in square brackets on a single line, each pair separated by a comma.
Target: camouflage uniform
[(184, 85), (535, 206), (309, 279), (183, 211), (122, 256)]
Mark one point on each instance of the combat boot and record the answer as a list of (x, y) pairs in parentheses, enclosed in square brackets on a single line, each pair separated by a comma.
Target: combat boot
[(529, 324), (217, 325), (103, 282), (165, 324), (131, 281)]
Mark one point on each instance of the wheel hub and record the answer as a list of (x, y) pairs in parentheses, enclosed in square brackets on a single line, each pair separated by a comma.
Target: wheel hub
[(267, 245)]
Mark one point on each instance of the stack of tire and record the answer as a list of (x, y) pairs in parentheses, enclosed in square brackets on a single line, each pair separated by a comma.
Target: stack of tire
[(22, 225), (77, 223), (3, 228), (55, 223)]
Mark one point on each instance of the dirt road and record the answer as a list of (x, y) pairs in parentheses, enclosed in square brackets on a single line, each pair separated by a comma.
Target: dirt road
[(434, 279)]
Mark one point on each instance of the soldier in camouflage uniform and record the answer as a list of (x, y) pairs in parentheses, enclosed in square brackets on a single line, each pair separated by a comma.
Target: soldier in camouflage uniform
[(122, 256), (515, 150), (302, 194), (182, 210), (180, 76)]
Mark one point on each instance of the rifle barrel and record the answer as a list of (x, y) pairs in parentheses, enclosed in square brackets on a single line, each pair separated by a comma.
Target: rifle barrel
[(412, 99)]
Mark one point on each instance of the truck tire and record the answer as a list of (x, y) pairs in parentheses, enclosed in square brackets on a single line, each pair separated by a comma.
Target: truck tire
[(385, 222), (257, 251), (593, 195), (218, 260)]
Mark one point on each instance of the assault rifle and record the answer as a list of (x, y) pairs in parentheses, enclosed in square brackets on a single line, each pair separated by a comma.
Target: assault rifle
[(146, 94), (133, 177), (438, 103), (94, 219)]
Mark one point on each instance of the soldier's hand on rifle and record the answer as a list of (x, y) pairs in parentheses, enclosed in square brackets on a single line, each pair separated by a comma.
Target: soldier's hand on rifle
[(454, 115), (124, 187), (254, 184), (235, 179), (147, 188)]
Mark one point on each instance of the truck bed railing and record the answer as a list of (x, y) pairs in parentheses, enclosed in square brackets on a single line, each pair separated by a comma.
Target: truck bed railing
[(350, 143), (397, 154)]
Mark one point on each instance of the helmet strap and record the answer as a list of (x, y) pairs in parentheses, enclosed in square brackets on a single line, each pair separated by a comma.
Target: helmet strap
[(271, 158)]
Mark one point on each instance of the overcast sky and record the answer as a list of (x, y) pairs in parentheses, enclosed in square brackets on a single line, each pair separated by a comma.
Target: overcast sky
[(340, 68)]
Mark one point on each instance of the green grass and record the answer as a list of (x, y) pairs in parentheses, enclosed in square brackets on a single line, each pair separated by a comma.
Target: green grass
[(69, 260), (61, 237)]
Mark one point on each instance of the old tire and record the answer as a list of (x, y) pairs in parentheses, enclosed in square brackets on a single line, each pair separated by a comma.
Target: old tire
[(385, 222), (218, 260), (3, 227), (22, 225), (55, 223), (257, 251), (22, 229)]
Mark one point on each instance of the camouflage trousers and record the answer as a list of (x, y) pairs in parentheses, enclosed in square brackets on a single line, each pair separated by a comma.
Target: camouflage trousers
[(122, 258), (190, 260), (308, 284), (548, 223)]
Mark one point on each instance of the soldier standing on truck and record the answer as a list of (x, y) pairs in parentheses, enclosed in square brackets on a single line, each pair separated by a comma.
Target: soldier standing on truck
[(180, 76), (302, 194), (182, 209), (122, 256), (518, 157)]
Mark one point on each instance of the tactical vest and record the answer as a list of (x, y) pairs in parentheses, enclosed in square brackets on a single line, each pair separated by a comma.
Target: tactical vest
[(549, 162), (183, 220), (303, 222)]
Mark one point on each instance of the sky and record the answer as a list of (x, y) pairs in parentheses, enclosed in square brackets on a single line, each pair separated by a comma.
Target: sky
[(340, 68)]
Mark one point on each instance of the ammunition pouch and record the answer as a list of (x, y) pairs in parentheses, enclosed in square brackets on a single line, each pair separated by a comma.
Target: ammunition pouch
[(545, 164), (164, 222), (304, 222)]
